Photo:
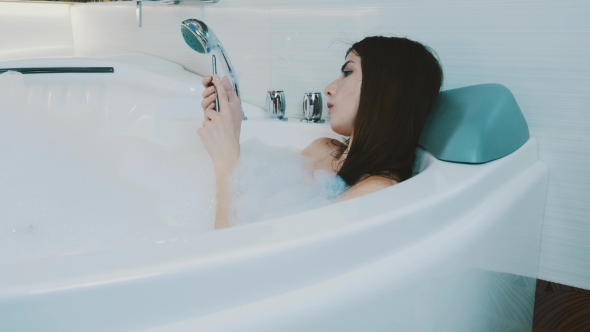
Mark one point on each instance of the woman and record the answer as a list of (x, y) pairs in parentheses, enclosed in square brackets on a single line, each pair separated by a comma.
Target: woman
[(383, 118)]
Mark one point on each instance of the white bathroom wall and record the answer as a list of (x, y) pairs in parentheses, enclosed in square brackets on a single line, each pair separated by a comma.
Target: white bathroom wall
[(538, 49), (24, 25), (241, 26)]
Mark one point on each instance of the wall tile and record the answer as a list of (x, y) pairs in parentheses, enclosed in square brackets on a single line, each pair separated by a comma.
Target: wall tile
[(565, 250), (25, 25)]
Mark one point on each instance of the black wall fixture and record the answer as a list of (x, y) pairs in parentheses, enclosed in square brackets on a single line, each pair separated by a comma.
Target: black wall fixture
[(60, 70)]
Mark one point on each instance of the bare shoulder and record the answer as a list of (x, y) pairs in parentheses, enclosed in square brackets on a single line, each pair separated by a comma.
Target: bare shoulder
[(320, 146), (367, 186)]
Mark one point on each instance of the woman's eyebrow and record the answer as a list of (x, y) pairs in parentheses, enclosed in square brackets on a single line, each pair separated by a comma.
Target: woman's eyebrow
[(344, 65)]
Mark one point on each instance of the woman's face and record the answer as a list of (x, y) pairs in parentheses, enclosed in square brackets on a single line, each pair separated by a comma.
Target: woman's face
[(344, 94)]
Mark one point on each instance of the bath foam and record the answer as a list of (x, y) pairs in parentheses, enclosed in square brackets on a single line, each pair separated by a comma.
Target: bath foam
[(67, 186), (271, 182)]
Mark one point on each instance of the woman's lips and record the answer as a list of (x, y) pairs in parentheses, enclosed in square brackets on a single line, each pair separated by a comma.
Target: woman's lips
[(330, 108)]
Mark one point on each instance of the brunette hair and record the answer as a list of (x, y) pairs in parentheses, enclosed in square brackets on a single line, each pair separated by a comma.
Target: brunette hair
[(401, 82)]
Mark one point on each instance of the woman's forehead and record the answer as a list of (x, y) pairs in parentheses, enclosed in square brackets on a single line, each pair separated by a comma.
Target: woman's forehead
[(353, 57)]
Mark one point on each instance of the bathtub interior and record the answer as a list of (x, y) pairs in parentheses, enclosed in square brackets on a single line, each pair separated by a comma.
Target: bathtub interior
[(159, 101), (453, 223)]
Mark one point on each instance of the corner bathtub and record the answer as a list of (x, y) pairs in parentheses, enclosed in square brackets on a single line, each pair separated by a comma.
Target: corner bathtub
[(454, 248)]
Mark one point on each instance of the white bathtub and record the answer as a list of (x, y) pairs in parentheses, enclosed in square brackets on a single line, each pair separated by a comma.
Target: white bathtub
[(454, 248)]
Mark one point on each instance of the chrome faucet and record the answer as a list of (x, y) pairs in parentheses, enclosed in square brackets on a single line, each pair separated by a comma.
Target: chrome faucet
[(202, 39)]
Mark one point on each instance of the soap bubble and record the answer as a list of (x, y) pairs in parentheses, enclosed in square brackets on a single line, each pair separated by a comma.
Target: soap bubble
[(271, 182)]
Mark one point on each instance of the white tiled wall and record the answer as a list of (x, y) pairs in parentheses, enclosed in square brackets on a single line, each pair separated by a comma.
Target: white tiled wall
[(539, 49), (565, 250), (25, 25)]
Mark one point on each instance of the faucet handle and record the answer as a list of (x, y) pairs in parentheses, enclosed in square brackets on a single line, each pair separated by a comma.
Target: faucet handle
[(275, 104), (312, 107)]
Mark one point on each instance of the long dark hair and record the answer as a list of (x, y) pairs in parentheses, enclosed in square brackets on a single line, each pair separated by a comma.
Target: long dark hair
[(401, 82)]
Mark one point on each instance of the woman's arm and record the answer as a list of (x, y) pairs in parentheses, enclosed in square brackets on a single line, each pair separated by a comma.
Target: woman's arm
[(221, 135), (222, 196)]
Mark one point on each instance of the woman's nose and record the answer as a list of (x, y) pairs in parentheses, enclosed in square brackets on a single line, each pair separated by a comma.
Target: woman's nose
[(329, 90)]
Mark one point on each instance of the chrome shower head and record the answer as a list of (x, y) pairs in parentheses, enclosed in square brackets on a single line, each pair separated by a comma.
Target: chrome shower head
[(202, 39), (198, 36)]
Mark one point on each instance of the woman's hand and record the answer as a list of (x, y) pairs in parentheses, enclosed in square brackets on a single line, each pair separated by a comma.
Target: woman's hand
[(221, 131), (234, 102)]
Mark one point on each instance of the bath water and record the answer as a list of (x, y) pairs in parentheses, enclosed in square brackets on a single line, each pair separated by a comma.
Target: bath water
[(67, 186), (275, 181)]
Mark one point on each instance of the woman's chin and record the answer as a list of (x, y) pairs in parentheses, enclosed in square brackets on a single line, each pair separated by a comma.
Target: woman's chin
[(338, 128)]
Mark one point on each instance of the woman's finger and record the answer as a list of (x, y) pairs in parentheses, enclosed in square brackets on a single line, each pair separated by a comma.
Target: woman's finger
[(206, 111), (211, 114), (229, 89), (206, 81), (208, 91), (206, 102), (223, 101), (209, 107)]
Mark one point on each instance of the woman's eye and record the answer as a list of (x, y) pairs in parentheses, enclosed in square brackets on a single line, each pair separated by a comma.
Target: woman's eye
[(346, 73)]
